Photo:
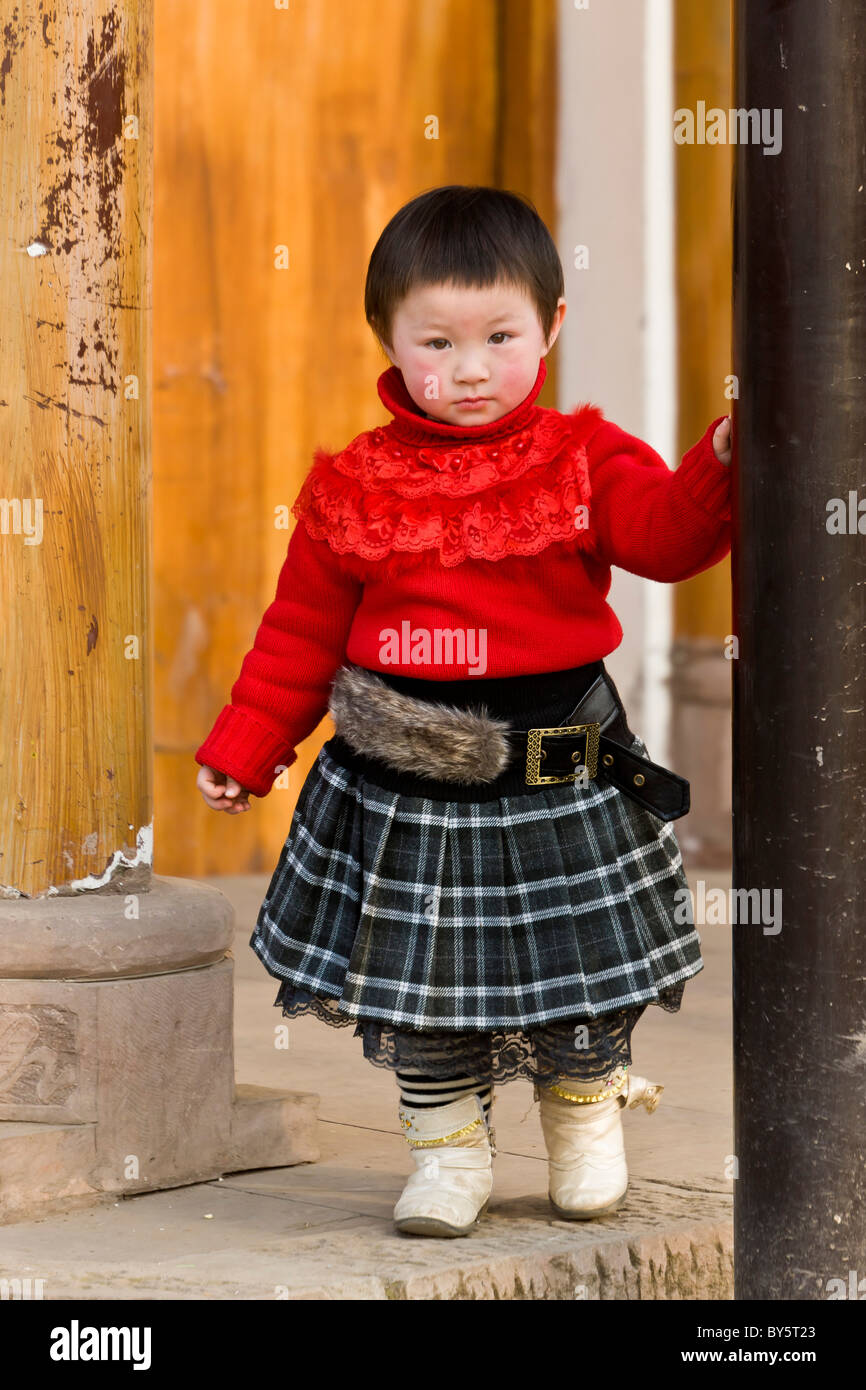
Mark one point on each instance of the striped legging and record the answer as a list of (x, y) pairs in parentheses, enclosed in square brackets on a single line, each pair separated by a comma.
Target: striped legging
[(423, 1092)]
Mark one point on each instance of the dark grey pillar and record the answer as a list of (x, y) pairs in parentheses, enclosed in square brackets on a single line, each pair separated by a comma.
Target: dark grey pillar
[(799, 686)]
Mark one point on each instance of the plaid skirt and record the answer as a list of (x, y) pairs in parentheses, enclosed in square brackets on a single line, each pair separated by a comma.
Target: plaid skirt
[(533, 930)]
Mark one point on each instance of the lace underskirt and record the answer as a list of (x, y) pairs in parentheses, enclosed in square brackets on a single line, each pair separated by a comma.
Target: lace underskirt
[(583, 1049)]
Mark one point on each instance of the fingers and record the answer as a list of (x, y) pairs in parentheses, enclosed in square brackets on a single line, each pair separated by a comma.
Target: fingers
[(235, 800), (722, 440), (238, 794), (222, 792)]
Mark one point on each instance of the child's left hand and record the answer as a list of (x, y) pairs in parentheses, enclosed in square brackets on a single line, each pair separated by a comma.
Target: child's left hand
[(722, 441)]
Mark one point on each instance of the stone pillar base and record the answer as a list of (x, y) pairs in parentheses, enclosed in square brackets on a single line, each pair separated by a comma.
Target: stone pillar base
[(116, 1052)]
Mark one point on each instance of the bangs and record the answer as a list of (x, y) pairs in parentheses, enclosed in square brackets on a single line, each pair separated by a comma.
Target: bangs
[(471, 236)]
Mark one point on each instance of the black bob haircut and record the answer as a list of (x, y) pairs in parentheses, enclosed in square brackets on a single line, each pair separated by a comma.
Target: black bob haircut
[(464, 234)]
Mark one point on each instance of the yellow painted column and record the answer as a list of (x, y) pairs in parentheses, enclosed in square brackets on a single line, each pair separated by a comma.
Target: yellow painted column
[(702, 606), (76, 106)]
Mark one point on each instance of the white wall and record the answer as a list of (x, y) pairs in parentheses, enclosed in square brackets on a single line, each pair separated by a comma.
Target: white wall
[(617, 346)]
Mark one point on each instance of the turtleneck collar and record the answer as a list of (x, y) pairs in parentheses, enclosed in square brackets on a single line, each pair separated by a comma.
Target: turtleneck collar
[(410, 425)]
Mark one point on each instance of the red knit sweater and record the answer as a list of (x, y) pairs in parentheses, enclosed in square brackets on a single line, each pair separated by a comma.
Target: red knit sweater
[(444, 551)]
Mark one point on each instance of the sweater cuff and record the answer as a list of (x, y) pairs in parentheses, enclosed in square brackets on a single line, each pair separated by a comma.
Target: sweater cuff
[(241, 747), (705, 478)]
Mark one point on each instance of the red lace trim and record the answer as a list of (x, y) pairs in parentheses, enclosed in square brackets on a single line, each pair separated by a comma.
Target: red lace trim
[(373, 498), (377, 461)]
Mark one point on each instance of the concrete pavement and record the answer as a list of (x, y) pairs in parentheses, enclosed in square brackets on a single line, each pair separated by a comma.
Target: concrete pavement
[(324, 1231)]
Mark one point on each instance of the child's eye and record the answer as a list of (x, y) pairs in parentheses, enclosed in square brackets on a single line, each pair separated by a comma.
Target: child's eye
[(431, 342), (501, 334)]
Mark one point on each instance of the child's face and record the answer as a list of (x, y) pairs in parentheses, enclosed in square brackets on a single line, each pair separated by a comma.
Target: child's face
[(451, 342)]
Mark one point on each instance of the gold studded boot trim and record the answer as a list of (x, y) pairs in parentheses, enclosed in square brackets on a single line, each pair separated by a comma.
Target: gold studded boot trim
[(622, 1085), (435, 1126), (446, 1139), (607, 1089)]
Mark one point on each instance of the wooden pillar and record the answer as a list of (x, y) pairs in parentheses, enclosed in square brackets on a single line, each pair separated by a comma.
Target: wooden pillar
[(700, 671), (75, 651)]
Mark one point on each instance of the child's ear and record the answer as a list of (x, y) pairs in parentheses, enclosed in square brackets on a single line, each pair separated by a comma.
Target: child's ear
[(557, 324)]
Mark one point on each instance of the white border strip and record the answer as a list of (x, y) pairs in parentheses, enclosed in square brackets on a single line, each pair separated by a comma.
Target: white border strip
[(659, 368)]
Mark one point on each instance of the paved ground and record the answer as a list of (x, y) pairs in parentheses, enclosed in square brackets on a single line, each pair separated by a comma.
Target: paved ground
[(323, 1230)]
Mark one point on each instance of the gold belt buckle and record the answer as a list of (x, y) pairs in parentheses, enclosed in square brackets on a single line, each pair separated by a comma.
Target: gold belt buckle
[(535, 753)]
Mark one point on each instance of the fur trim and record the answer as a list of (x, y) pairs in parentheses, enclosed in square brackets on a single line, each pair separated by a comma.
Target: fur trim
[(417, 736)]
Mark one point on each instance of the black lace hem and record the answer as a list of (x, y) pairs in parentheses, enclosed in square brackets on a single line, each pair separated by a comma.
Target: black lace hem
[(583, 1049)]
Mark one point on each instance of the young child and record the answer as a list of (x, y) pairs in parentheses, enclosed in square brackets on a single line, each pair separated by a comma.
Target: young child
[(481, 871)]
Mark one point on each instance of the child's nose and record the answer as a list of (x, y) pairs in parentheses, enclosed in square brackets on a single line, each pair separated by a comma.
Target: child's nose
[(471, 369)]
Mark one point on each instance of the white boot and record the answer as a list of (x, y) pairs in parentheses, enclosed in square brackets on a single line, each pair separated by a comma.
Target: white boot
[(583, 1134), (453, 1179)]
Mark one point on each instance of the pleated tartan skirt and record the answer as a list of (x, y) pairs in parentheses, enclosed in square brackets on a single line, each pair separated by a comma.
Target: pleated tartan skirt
[(523, 935)]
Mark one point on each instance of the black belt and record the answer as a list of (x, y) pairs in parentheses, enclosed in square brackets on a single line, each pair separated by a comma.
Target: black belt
[(595, 738)]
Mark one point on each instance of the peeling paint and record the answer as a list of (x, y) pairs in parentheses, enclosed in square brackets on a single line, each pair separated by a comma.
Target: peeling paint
[(103, 75), (85, 203), (143, 855), (11, 44)]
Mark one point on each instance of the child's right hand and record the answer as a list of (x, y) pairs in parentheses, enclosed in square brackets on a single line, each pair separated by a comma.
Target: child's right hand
[(221, 792)]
